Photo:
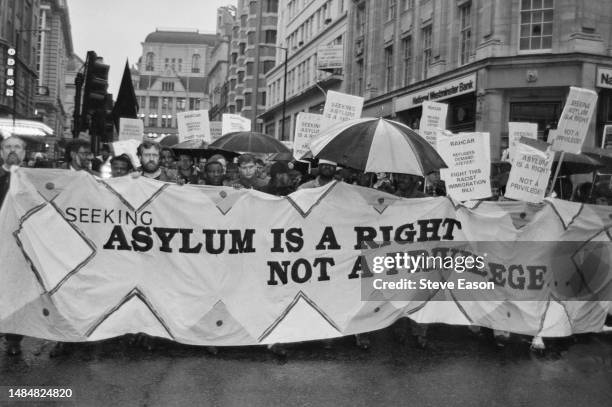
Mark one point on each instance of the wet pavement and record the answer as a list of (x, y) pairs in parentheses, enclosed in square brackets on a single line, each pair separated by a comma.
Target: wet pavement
[(457, 368)]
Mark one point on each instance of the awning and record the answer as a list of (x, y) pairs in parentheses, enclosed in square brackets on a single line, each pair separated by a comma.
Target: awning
[(24, 128)]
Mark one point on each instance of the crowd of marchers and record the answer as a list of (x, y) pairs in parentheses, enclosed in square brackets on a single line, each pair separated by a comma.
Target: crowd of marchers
[(231, 170)]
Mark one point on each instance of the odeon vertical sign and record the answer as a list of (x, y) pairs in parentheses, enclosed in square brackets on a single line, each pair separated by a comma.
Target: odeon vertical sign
[(10, 72)]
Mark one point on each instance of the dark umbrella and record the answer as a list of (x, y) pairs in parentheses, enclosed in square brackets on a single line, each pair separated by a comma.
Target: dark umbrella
[(249, 142), (288, 156), (199, 148), (575, 164), (377, 145), (170, 140), (604, 156)]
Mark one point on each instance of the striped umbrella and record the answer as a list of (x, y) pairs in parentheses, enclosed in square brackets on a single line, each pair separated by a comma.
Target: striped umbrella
[(377, 145)]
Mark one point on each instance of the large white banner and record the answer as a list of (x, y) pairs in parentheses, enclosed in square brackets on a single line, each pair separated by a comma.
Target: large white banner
[(468, 157), (193, 125), (85, 259), (307, 127), (528, 179), (432, 119), (130, 129), (340, 107), (573, 125), (234, 122), (516, 130)]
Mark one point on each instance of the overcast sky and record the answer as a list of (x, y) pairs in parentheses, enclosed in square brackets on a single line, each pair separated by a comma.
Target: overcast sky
[(115, 28)]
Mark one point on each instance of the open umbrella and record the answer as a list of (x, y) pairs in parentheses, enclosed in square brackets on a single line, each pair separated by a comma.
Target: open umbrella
[(199, 148), (576, 164), (249, 142), (377, 145)]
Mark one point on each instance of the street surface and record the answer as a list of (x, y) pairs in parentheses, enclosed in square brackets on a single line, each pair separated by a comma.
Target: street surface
[(458, 368)]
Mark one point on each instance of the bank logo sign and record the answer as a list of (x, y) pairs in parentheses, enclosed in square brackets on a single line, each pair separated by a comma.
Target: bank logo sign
[(604, 78), (446, 90)]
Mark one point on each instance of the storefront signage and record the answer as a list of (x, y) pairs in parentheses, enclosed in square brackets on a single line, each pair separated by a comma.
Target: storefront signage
[(330, 57), (604, 78), (459, 86)]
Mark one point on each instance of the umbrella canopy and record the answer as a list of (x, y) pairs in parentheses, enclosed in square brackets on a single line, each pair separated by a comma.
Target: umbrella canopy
[(199, 148), (377, 145), (575, 164), (249, 142), (169, 140), (604, 156)]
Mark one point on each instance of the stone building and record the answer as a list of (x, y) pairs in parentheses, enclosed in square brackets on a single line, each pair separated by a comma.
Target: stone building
[(304, 28), (19, 20), (492, 61), (172, 77), (54, 51), (217, 75), (256, 24)]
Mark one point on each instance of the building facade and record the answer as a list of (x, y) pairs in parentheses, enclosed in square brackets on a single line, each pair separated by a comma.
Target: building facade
[(492, 61), (19, 22), (304, 28), (256, 25), (54, 52), (217, 76), (172, 77)]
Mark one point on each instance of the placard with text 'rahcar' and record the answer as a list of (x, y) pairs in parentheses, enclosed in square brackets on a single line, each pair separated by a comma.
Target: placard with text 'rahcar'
[(193, 125)]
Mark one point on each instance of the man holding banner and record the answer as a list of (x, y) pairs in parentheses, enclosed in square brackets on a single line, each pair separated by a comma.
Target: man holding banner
[(149, 155), (12, 151)]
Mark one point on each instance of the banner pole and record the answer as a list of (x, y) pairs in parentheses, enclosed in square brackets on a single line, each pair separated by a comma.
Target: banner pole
[(552, 185)]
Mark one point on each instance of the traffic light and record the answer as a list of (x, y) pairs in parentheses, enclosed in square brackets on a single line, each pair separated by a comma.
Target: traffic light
[(96, 84), (108, 131)]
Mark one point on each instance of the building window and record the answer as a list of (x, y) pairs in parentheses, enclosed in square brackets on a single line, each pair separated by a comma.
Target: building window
[(545, 114), (253, 7), (194, 103), (232, 84), (168, 86), (241, 48), (247, 98), (270, 37), (261, 96), (166, 103), (465, 14), (389, 68), (149, 61), (407, 4), (391, 9), (249, 68), (360, 19), (195, 63), (180, 64), (166, 63), (153, 120), (180, 104), (536, 24), (241, 77), (426, 49), (251, 38), (239, 105), (407, 57), (267, 65), (359, 79), (166, 120), (271, 6), (234, 57), (153, 100)]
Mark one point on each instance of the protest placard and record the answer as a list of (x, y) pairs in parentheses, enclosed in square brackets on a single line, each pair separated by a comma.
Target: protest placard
[(215, 130), (130, 129), (234, 122), (468, 157), (128, 147), (516, 130), (193, 125), (573, 125), (307, 127), (340, 107), (432, 119), (530, 171)]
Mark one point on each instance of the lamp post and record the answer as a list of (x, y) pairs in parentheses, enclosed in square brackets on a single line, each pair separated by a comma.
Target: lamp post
[(284, 84), (16, 55)]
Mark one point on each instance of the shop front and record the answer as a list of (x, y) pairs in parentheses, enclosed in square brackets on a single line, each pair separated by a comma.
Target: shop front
[(603, 85), (458, 93)]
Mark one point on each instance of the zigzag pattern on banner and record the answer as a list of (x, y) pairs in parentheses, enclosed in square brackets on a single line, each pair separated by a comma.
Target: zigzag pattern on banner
[(133, 307)]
